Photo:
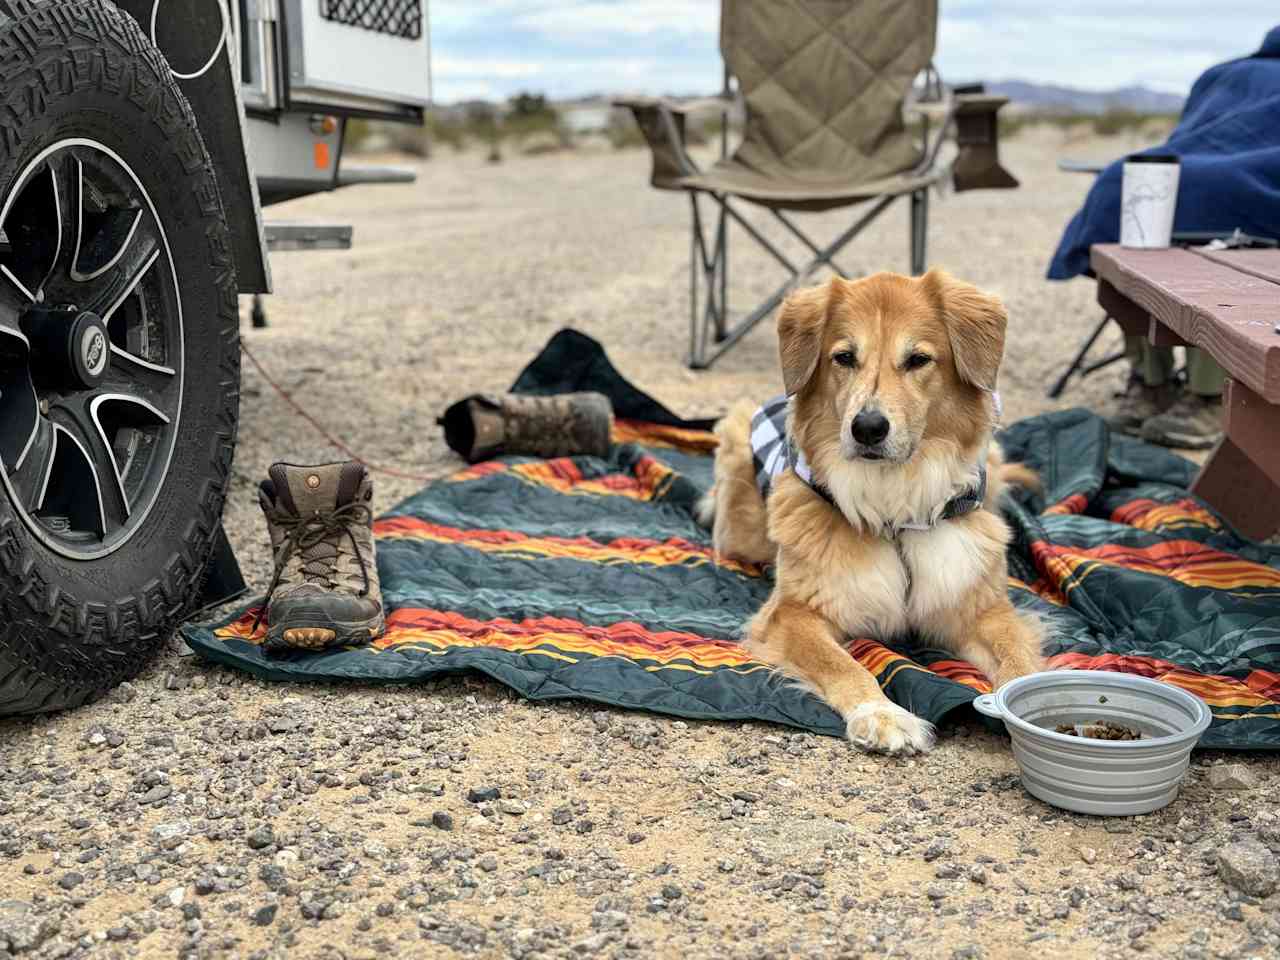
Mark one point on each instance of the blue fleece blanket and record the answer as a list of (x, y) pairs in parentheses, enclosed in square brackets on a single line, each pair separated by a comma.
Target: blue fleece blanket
[(1229, 143)]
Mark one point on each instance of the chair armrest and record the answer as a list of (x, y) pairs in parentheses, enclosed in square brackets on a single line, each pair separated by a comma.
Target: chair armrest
[(662, 123), (977, 165), (1080, 166), (691, 105)]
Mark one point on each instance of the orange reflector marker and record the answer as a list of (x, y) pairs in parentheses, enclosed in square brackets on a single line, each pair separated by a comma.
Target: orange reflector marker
[(322, 155)]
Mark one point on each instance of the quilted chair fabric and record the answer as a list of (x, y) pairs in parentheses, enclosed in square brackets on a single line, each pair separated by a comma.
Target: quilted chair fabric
[(824, 83)]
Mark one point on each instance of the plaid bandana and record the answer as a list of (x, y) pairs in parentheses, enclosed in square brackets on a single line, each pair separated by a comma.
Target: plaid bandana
[(772, 453)]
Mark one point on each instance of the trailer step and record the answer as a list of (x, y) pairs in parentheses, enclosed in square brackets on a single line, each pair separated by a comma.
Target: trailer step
[(357, 173), (300, 235)]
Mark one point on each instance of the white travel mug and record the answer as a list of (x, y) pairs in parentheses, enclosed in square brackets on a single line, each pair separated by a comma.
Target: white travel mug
[(1148, 199)]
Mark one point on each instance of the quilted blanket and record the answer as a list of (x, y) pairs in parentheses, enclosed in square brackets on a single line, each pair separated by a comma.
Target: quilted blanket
[(589, 578)]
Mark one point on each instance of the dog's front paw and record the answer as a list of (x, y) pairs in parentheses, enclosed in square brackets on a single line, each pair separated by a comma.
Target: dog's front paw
[(884, 727)]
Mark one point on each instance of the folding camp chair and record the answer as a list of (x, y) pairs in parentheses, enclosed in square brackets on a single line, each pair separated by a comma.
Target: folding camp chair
[(825, 85)]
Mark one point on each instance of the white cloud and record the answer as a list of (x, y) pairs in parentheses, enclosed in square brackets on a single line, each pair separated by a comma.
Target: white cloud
[(494, 69), (570, 47), (1097, 45), (635, 17)]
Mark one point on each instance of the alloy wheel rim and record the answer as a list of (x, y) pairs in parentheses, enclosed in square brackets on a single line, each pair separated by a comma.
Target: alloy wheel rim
[(91, 349)]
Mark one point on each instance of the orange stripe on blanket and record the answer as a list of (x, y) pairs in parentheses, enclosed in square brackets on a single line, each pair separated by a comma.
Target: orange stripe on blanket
[(1148, 514), (1185, 561), (1041, 588), (656, 435), (1076, 503), (1260, 689), (674, 551), (647, 481), (438, 630)]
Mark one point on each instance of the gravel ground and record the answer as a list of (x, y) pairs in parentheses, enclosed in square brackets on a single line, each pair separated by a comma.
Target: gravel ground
[(197, 812)]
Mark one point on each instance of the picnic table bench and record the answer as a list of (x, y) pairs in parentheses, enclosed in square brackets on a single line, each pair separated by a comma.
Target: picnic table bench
[(1228, 303)]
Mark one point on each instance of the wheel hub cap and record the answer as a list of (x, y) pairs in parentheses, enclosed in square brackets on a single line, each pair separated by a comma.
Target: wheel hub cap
[(91, 349), (70, 348)]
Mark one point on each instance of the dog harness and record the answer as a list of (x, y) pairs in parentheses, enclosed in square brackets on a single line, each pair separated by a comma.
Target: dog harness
[(772, 453)]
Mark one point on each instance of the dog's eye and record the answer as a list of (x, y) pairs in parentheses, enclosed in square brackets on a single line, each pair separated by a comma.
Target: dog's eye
[(918, 360), (845, 358)]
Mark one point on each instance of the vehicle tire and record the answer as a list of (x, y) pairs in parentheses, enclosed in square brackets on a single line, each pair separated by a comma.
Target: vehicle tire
[(119, 352)]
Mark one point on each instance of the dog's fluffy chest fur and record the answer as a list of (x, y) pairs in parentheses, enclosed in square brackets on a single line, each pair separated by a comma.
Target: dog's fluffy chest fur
[(876, 585)]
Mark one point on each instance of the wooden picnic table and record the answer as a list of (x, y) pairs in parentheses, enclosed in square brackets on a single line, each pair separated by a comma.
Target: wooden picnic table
[(1228, 303)]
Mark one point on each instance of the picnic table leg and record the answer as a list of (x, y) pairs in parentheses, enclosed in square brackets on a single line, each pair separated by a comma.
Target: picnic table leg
[(1242, 486)]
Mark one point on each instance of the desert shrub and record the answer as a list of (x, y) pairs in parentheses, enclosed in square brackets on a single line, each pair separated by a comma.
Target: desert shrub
[(445, 130), (532, 117)]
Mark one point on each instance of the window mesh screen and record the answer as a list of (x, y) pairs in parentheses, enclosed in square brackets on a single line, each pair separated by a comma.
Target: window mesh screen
[(400, 18)]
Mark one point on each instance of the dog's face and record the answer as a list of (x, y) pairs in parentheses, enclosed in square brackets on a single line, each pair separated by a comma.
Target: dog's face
[(887, 362)]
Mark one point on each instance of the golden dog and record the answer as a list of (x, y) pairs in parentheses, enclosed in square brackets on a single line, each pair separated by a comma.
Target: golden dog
[(891, 386)]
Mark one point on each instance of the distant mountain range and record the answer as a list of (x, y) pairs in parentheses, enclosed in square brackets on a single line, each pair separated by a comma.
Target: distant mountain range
[(1053, 99)]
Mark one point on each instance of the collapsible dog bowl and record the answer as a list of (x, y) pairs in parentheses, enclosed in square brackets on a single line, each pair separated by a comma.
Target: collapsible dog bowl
[(1105, 777)]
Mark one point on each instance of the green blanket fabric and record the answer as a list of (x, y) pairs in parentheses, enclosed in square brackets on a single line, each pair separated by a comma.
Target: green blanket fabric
[(590, 578)]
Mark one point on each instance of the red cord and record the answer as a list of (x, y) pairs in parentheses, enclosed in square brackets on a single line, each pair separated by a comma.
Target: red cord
[(320, 429)]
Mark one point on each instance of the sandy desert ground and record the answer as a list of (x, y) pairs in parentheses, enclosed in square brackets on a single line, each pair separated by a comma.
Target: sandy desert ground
[(197, 812)]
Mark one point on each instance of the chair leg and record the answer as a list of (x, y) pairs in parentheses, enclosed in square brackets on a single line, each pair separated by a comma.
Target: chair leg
[(1077, 365), (722, 266), (707, 283), (919, 230)]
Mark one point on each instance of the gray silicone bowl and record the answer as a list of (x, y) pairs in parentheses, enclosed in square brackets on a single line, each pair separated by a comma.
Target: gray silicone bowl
[(1105, 777)]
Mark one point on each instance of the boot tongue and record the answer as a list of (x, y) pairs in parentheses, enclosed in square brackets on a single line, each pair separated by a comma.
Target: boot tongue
[(306, 491)]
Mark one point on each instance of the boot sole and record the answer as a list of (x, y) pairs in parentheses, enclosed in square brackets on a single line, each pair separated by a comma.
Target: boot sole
[(321, 635)]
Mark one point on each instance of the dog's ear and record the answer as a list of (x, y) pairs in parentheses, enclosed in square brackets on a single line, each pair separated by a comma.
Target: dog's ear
[(976, 323), (800, 325)]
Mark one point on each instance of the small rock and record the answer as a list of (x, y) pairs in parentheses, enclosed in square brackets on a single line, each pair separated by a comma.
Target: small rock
[(261, 837), (264, 916), (170, 835), (1232, 776), (124, 693), (483, 794), (441, 820), (69, 881), (936, 849), (116, 934), (488, 863), (511, 807), (671, 892), (561, 815), (1250, 867), (977, 873), (727, 865), (1088, 854), (160, 791)]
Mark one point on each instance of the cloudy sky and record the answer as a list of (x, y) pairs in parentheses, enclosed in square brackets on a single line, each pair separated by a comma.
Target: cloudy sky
[(493, 48)]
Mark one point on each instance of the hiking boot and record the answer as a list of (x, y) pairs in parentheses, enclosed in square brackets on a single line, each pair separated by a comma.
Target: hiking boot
[(482, 426), (324, 592), (1193, 423), (1136, 404)]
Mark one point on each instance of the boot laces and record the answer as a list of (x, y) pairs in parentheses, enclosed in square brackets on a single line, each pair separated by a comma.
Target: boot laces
[(303, 533)]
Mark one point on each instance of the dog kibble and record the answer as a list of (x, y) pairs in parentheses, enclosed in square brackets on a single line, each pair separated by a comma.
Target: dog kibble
[(1098, 730)]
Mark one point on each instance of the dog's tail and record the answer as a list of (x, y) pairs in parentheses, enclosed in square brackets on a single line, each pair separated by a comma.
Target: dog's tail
[(1020, 475), (704, 511), (733, 450), (1001, 475)]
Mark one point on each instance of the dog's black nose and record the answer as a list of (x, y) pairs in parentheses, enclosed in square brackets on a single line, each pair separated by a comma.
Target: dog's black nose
[(870, 427)]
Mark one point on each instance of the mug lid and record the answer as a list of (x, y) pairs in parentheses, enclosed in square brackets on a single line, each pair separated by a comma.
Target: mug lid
[(1151, 158)]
